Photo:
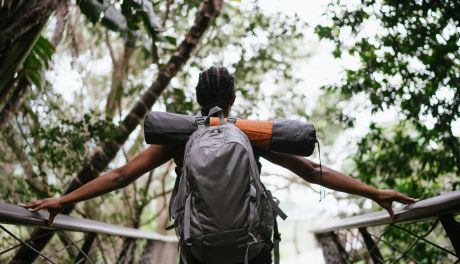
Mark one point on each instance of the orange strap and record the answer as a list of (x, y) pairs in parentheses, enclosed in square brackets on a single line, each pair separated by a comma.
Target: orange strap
[(259, 132)]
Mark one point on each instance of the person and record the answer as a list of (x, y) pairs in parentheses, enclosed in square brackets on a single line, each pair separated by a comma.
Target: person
[(216, 88)]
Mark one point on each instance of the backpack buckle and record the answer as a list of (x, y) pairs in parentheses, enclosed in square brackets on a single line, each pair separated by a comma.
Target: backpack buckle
[(231, 119), (200, 120)]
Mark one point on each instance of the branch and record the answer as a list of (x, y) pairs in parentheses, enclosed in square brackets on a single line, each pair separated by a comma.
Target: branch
[(166, 16), (108, 42), (62, 15), (14, 103)]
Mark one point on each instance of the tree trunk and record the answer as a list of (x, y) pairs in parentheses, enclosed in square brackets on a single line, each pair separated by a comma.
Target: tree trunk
[(12, 106), (22, 22), (119, 75), (101, 157)]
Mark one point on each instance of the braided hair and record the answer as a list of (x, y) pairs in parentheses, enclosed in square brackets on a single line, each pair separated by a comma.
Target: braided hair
[(215, 88)]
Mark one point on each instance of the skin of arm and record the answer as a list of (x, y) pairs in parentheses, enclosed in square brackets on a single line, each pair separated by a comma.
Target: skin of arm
[(310, 171), (156, 155), (152, 157)]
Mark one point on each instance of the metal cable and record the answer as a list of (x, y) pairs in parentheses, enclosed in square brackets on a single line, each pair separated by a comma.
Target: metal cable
[(427, 241), (26, 244), (28, 240), (79, 249), (65, 247), (113, 246), (397, 249), (385, 230), (418, 239), (99, 245)]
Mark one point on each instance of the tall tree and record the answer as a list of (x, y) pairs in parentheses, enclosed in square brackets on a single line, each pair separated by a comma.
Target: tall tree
[(102, 155)]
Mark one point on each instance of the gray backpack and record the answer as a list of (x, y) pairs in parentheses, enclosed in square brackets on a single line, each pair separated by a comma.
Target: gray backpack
[(221, 210)]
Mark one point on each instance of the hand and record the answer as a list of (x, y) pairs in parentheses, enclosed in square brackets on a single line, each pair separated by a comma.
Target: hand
[(385, 199), (53, 205)]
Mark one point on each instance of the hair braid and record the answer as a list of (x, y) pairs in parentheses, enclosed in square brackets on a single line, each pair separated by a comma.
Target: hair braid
[(215, 88)]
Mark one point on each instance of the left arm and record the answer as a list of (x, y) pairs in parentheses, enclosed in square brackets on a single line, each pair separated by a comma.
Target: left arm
[(152, 157), (310, 171)]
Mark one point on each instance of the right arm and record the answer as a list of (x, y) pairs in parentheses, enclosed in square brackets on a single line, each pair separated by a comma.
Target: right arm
[(152, 157)]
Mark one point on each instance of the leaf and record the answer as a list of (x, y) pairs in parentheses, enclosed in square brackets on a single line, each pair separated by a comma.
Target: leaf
[(34, 77), (44, 45), (104, 12), (144, 10), (151, 20), (171, 40), (92, 9), (113, 19), (32, 62)]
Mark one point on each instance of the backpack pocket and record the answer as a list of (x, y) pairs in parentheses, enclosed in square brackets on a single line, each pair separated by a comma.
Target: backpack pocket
[(225, 247), (232, 237)]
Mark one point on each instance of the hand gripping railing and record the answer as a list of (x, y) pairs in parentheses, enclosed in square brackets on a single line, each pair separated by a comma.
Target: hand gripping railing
[(77, 236), (414, 236)]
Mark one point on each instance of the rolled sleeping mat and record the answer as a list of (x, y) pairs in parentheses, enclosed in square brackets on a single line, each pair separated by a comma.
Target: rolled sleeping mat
[(281, 135)]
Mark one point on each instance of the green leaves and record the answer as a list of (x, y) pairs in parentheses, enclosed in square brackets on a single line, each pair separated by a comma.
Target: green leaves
[(405, 64), (38, 60), (63, 145), (409, 62), (104, 12), (124, 18)]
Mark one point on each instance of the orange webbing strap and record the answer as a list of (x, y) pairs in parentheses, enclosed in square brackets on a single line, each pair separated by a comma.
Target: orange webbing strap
[(258, 132)]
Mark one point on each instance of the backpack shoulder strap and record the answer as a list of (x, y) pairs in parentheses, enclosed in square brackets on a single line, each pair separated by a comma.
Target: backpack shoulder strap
[(202, 120), (276, 241)]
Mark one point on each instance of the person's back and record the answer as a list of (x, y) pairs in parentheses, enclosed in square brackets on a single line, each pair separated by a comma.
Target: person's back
[(221, 210)]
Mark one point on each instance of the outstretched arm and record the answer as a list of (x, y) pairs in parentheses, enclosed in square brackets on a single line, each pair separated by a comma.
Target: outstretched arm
[(152, 157), (310, 171)]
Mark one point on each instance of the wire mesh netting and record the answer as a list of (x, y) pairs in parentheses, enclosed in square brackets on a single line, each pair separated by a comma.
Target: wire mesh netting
[(80, 247), (415, 242)]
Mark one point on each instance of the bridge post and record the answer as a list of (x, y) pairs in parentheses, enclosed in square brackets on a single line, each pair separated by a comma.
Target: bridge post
[(85, 249), (333, 250), (371, 246), (452, 229)]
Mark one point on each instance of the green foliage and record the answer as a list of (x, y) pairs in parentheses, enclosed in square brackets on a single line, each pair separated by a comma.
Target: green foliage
[(409, 63), (409, 55), (63, 145), (122, 16), (177, 102), (397, 159), (38, 60)]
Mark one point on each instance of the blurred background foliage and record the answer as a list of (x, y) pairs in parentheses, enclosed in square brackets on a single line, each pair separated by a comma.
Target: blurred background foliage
[(112, 50), (409, 54)]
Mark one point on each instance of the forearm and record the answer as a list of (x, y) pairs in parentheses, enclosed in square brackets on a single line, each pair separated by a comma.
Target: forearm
[(103, 184), (152, 157), (311, 172), (340, 182)]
